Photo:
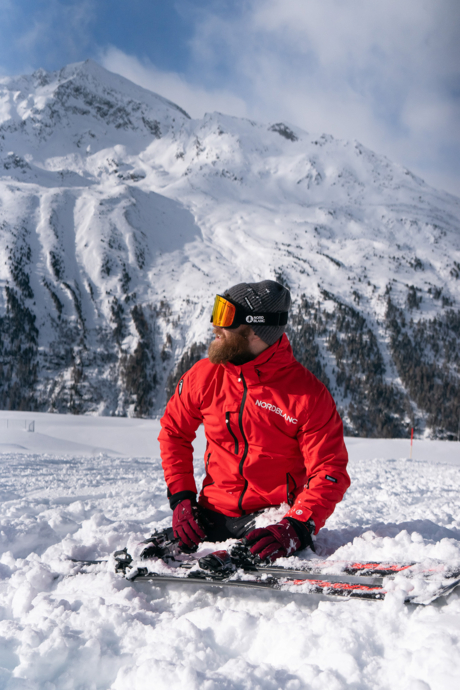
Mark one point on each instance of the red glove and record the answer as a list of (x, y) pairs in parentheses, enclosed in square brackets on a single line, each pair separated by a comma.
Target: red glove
[(274, 541), (186, 526)]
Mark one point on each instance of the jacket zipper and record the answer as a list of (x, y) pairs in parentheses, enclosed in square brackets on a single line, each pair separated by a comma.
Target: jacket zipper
[(246, 445), (227, 421), (206, 468), (289, 493)]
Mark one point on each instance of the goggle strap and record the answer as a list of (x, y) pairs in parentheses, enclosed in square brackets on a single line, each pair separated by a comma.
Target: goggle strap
[(279, 318)]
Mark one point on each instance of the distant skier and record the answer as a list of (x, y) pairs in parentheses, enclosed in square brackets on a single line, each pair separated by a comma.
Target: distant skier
[(273, 433)]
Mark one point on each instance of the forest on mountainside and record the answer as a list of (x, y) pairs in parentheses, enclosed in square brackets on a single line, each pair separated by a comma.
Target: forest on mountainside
[(407, 374)]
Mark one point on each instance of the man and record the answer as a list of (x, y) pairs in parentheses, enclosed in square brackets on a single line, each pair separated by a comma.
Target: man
[(273, 433)]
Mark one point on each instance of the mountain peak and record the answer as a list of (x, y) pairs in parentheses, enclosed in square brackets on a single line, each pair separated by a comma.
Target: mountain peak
[(90, 76), (109, 81)]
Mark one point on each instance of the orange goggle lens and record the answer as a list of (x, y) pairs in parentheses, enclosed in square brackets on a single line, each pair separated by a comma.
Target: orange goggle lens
[(223, 312)]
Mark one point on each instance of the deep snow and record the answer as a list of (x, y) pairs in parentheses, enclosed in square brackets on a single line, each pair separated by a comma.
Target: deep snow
[(84, 486)]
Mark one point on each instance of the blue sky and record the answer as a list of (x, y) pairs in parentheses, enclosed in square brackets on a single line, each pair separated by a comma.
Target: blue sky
[(51, 34), (385, 72)]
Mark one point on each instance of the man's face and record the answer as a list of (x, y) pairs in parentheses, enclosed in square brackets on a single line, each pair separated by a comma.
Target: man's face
[(230, 346)]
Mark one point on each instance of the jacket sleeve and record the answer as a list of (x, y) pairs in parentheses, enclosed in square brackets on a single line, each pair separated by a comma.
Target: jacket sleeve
[(179, 423), (325, 455)]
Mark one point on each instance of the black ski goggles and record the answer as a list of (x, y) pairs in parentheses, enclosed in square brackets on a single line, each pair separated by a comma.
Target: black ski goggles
[(229, 314)]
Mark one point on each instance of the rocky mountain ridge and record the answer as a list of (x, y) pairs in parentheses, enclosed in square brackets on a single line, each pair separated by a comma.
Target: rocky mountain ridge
[(121, 217)]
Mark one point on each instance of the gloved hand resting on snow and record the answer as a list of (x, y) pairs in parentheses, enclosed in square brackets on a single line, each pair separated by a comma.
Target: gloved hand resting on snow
[(280, 540)]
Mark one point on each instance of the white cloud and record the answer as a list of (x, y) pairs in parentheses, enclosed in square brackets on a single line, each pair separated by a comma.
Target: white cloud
[(191, 97), (386, 73)]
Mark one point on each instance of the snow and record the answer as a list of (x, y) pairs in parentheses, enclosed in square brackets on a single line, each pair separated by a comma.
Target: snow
[(82, 487)]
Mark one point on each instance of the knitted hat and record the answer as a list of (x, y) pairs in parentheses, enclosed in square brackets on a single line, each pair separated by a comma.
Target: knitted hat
[(266, 296)]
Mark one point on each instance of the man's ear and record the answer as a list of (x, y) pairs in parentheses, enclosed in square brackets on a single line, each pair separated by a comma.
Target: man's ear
[(256, 344)]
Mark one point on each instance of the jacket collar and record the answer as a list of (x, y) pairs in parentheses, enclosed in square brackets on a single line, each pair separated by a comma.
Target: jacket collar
[(262, 368)]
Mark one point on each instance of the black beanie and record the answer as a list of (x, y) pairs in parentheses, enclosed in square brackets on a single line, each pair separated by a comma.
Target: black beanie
[(266, 296)]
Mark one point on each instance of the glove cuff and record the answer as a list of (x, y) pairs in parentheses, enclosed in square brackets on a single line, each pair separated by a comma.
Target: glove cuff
[(175, 499), (304, 531)]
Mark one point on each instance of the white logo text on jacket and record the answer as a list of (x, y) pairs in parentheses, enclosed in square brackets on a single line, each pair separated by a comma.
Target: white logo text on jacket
[(273, 408)]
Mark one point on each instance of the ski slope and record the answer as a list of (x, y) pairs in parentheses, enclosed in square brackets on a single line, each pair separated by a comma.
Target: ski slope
[(82, 487)]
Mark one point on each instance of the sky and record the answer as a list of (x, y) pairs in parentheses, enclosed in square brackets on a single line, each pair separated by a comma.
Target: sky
[(384, 72)]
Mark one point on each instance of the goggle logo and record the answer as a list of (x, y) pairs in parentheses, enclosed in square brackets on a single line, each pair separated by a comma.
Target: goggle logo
[(255, 319)]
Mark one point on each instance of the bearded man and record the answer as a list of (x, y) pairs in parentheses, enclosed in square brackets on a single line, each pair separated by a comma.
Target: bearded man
[(273, 433)]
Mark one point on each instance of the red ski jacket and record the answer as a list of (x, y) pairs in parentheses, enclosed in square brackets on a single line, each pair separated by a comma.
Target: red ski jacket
[(273, 435)]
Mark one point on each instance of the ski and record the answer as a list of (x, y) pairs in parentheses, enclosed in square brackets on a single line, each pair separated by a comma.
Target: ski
[(305, 586), (329, 587), (238, 568)]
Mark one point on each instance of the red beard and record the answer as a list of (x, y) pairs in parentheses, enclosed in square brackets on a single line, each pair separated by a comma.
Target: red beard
[(234, 349)]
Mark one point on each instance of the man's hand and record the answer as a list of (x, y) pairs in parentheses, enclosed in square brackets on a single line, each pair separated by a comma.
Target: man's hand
[(280, 540), (186, 525)]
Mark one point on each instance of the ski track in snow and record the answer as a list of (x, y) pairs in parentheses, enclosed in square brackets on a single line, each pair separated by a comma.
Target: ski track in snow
[(94, 630)]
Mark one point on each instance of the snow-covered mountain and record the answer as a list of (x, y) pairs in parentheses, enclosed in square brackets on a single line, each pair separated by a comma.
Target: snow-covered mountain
[(121, 218)]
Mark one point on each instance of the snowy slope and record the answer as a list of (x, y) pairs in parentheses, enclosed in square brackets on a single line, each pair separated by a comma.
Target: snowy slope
[(121, 217), (59, 629)]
